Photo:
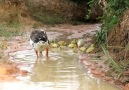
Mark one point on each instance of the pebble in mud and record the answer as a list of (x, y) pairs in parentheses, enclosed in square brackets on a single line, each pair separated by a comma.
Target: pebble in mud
[(24, 73), (82, 57), (87, 63)]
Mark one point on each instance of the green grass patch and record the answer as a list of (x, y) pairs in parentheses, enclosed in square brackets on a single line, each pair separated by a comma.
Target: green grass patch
[(10, 30), (7, 33), (111, 17), (109, 58), (48, 18), (75, 22)]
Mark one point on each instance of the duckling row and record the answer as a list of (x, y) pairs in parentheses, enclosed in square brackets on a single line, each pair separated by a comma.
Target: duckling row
[(74, 44)]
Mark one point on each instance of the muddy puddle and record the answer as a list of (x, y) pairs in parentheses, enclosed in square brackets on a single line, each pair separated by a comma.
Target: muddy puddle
[(61, 71)]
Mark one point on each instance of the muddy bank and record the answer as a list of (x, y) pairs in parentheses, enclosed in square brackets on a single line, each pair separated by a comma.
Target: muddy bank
[(99, 68)]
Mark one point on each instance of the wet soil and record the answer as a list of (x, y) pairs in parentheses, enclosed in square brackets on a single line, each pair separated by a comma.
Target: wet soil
[(20, 43)]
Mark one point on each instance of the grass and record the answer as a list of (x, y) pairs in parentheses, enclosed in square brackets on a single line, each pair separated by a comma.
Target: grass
[(75, 22), (6, 32), (109, 58), (10, 30), (115, 67), (48, 19), (111, 17)]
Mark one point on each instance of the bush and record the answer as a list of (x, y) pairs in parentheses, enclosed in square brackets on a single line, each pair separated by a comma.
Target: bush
[(111, 17)]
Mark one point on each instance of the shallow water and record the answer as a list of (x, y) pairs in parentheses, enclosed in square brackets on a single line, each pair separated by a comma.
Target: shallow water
[(61, 71)]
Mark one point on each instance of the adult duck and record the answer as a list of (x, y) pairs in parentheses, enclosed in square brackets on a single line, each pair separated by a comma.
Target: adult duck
[(39, 41)]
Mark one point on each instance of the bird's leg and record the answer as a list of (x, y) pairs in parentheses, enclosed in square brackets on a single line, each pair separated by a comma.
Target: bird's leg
[(36, 55), (47, 52), (41, 56)]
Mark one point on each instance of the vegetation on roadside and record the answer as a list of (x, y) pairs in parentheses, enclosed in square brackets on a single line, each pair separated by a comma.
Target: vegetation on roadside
[(111, 17), (10, 30), (11, 17)]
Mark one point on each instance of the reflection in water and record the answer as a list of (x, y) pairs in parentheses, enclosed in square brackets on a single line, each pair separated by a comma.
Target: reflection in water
[(65, 73), (61, 71)]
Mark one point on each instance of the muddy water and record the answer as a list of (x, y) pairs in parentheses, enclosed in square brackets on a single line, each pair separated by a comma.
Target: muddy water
[(61, 71)]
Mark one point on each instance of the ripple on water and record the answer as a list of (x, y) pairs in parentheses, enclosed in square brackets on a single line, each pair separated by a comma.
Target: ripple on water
[(61, 71)]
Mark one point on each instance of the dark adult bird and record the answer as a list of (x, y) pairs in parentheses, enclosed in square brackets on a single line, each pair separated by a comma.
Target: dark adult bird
[(39, 41)]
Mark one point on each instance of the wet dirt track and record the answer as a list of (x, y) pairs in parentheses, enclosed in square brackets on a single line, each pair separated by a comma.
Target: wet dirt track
[(62, 71)]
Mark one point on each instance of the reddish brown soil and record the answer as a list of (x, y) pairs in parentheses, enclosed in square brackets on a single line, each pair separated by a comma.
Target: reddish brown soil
[(99, 70), (7, 71)]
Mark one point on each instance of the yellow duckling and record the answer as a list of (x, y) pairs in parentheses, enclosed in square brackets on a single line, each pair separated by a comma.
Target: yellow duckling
[(52, 41), (82, 49), (72, 45), (74, 41), (62, 43), (54, 45), (62, 47), (90, 49)]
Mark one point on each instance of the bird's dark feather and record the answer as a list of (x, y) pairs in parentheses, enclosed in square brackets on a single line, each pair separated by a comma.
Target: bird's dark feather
[(38, 35)]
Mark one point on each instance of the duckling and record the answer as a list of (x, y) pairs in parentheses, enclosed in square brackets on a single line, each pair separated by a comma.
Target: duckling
[(74, 41), (90, 49), (82, 49), (80, 42), (62, 47), (54, 45), (72, 45), (52, 41), (62, 43)]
